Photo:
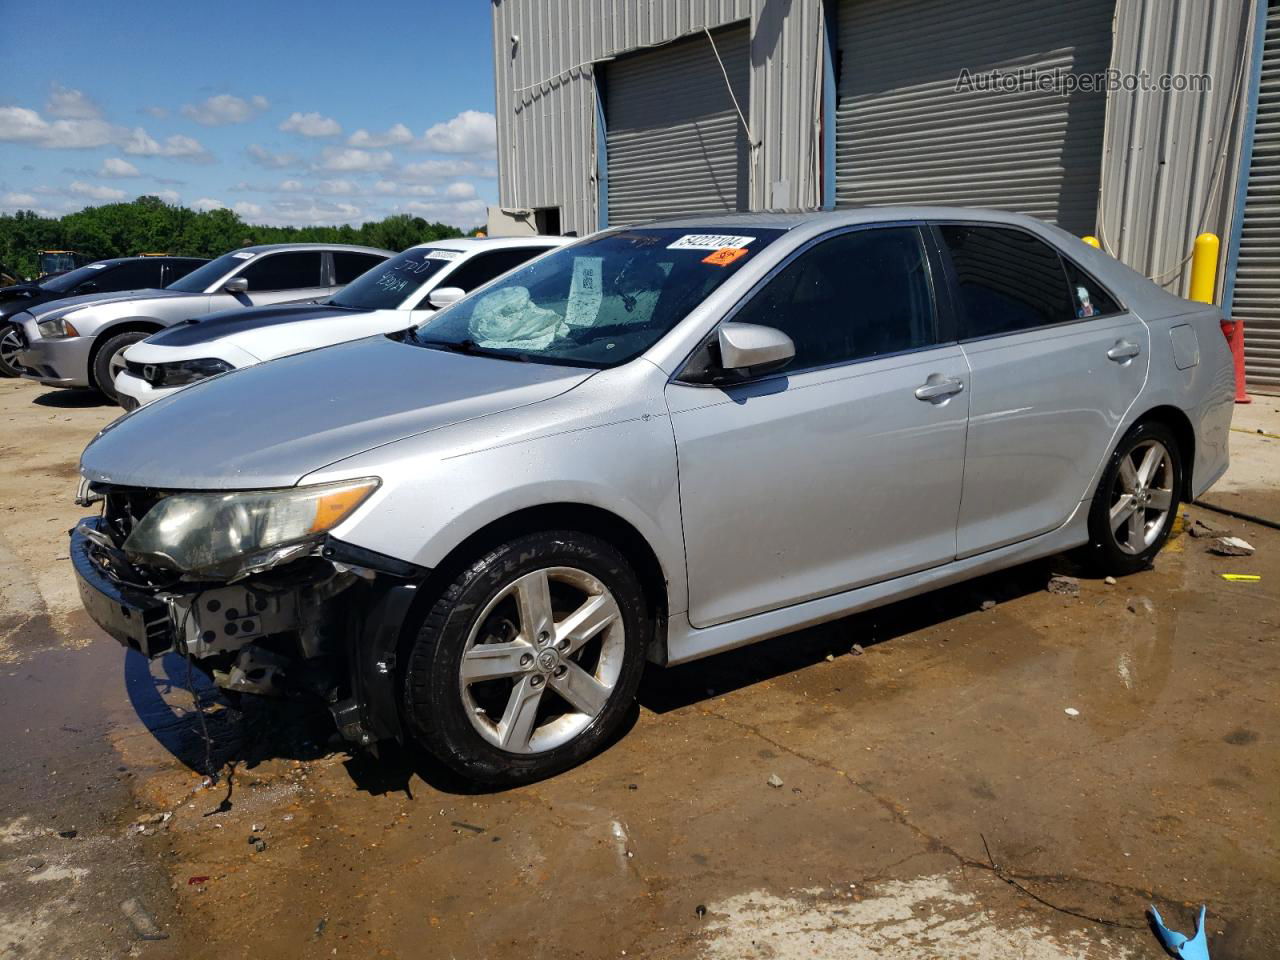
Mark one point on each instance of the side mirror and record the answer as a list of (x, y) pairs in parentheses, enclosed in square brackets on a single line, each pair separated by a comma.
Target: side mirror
[(750, 346), (443, 296), (236, 285)]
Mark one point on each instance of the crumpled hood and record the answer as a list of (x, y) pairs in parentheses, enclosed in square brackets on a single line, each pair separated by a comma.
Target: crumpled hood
[(67, 304), (272, 424), (226, 323)]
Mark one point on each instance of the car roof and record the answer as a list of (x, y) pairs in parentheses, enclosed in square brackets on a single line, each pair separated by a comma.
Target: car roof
[(476, 244), (115, 260), (277, 247), (789, 219)]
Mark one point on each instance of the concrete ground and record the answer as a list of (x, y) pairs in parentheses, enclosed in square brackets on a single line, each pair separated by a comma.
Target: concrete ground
[(1019, 781)]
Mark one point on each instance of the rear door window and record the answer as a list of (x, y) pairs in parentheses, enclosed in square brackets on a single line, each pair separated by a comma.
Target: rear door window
[(286, 271), (483, 267), (1007, 280), (131, 275), (348, 265)]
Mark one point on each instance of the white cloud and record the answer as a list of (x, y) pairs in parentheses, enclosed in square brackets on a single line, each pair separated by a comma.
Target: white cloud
[(427, 171), (95, 191), (179, 146), (338, 188), (316, 212), (311, 125), (386, 186), (117, 167), (291, 186), (18, 200), (460, 191), (246, 209), (351, 160), (168, 196), (156, 111), (272, 161), (225, 109), (69, 104), (463, 213), (471, 131), (21, 125), (397, 136), (208, 203)]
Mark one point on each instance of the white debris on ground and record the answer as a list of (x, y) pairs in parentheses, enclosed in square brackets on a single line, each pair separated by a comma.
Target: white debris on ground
[(895, 920)]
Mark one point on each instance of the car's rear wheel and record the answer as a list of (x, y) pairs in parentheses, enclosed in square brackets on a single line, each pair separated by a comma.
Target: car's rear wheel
[(1136, 501), (530, 658), (109, 361), (10, 345)]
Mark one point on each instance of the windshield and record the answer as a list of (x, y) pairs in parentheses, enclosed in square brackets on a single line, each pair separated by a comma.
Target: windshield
[(598, 303), (198, 280), (72, 279), (392, 282)]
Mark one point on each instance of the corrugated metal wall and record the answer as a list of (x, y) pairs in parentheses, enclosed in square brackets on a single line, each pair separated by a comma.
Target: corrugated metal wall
[(1170, 159), (546, 92), (1257, 291), (906, 134)]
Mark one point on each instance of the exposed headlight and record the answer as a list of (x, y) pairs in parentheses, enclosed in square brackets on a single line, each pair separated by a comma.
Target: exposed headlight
[(220, 534), (57, 328), (184, 372)]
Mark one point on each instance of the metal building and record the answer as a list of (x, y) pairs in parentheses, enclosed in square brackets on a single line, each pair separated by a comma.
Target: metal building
[(617, 111)]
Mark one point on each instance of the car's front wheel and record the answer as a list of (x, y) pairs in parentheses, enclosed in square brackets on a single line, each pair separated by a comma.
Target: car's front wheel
[(530, 659), (1137, 500), (109, 361), (10, 346)]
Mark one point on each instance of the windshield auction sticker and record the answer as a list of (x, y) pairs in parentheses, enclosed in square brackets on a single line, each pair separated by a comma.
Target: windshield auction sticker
[(585, 292), (708, 241), (434, 254), (725, 256)]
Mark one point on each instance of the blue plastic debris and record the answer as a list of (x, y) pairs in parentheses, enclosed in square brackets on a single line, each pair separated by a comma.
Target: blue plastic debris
[(1176, 944)]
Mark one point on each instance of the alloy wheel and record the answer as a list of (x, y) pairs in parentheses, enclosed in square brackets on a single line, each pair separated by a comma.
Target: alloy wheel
[(542, 660), (1141, 496), (10, 346)]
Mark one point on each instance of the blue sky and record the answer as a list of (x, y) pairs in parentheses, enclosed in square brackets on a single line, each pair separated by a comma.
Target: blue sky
[(288, 113)]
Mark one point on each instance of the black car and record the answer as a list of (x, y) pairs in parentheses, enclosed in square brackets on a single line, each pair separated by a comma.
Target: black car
[(102, 276)]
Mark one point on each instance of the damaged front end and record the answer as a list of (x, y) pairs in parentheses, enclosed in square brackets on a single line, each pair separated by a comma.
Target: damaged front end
[(251, 587)]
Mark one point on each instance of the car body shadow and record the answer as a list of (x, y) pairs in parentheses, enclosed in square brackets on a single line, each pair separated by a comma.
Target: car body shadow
[(72, 399)]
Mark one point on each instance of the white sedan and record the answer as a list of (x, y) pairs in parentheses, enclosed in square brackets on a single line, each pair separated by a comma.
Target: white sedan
[(399, 293)]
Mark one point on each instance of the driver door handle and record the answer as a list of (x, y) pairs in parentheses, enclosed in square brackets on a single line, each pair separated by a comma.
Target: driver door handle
[(938, 389), (1123, 350)]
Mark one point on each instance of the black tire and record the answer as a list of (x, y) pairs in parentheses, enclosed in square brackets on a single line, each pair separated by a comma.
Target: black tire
[(8, 367), (102, 380), (434, 709), (1105, 553)]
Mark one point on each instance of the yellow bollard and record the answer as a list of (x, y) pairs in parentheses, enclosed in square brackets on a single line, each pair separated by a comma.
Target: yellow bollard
[(1093, 242), (1204, 268)]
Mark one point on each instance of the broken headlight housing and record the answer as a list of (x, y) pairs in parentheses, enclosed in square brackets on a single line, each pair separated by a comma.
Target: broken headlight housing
[(221, 535)]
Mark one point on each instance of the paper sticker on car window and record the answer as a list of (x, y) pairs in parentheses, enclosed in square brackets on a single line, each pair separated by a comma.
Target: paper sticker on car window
[(708, 241), (97, 266), (725, 256), (442, 254), (584, 292), (242, 256)]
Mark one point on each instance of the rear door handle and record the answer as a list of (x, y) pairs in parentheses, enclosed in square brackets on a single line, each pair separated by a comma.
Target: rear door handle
[(938, 388), (1123, 350)]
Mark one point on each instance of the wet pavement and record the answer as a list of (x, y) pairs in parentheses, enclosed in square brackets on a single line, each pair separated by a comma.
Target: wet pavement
[(926, 794)]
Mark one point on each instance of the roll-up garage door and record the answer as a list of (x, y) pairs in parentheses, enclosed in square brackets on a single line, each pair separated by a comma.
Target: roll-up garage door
[(674, 142), (1257, 292), (906, 134)]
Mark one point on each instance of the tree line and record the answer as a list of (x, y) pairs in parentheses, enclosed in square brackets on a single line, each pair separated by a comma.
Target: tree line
[(149, 225)]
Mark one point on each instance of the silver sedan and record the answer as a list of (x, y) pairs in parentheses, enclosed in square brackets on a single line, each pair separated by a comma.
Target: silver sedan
[(658, 443)]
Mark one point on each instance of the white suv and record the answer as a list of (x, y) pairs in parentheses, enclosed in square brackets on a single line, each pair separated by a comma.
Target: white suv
[(395, 294)]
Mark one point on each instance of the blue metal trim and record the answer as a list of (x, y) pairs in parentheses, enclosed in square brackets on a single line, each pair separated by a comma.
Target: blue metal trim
[(829, 108), (1246, 157), (602, 157)]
